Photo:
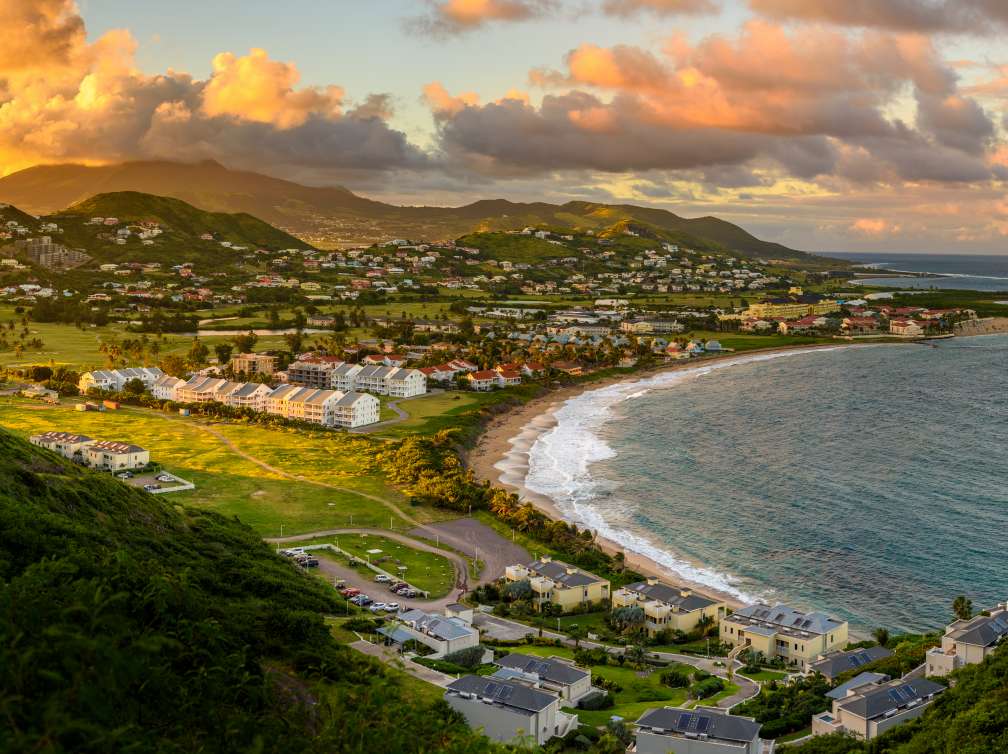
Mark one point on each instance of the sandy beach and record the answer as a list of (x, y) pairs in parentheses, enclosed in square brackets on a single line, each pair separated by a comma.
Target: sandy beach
[(501, 454)]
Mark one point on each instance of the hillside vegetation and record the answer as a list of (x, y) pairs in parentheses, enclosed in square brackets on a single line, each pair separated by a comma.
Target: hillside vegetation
[(336, 216), (129, 624)]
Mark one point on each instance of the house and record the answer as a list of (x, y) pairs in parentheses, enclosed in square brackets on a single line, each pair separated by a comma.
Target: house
[(443, 634), (330, 408), (67, 444), (313, 372), (556, 583), (166, 387), (859, 325), (109, 455), (667, 607), (250, 395), (858, 681), (483, 380), (507, 711), (253, 363), (344, 377), (781, 631), (392, 381), (836, 663), (868, 711), (461, 365), (705, 730), (200, 390), (569, 367), (968, 642), (356, 410), (507, 377), (116, 379), (533, 368), (560, 676), (906, 328)]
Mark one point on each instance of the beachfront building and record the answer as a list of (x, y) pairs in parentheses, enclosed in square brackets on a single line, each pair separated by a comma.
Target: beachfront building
[(667, 607), (837, 663), (560, 676), (794, 306), (781, 631), (330, 408), (483, 380), (314, 371), (116, 379), (392, 381), (201, 390), (344, 377), (868, 711), (253, 363), (507, 711), (556, 583), (968, 642), (705, 730)]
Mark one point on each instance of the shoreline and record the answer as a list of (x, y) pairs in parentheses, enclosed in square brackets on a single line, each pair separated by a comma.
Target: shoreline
[(501, 454)]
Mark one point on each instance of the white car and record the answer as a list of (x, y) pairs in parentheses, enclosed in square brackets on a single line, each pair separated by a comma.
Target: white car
[(381, 578), (378, 607), (391, 607)]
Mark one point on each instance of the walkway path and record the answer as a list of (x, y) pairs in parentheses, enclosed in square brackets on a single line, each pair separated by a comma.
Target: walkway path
[(391, 657)]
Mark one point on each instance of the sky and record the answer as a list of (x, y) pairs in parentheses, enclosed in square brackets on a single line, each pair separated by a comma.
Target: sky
[(863, 125)]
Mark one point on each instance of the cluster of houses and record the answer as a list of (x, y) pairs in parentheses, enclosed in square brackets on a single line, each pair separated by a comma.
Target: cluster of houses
[(103, 455), (383, 375)]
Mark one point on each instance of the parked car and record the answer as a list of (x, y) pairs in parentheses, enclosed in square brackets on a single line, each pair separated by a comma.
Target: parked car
[(381, 578), (125, 475), (310, 563), (393, 586), (165, 478), (378, 607), (410, 593), (350, 592), (152, 487), (391, 607)]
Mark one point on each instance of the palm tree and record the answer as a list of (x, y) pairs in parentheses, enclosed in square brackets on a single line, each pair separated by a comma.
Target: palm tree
[(577, 633), (963, 607), (881, 636)]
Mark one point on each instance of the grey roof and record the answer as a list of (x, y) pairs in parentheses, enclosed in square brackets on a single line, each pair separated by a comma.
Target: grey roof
[(834, 664), (549, 670), (507, 693), (446, 629), (53, 436), (396, 633), (351, 398), (671, 595), (557, 571), (718, 725), (249, 388), (788, 618), (891, 696), (860, 680), (984, 630)]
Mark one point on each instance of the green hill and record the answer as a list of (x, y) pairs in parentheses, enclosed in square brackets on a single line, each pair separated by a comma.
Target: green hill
[(334, 216), (128, 623)]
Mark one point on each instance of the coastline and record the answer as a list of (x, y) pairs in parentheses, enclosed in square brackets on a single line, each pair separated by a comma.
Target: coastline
[(501, 454)]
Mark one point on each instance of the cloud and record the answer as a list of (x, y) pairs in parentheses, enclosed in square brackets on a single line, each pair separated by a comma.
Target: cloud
[(972, 16), (806, 103), (258, 89), (874, 226), (659, 7), (65, 98), (447, 17)]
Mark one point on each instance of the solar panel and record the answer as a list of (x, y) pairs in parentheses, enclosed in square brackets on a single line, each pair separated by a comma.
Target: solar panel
[(504, 692), (703, 724), (684, 722), (530, 666), (490, 690)]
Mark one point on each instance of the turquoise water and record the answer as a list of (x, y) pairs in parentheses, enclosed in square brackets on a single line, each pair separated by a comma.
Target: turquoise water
[(870, 482), (974, 272)]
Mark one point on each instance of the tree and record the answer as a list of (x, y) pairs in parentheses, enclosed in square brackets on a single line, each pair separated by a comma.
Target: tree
[(134, 386), (198, 354), (577, 633), (881, 635), (223, 351), (963, 607), (245, 343)]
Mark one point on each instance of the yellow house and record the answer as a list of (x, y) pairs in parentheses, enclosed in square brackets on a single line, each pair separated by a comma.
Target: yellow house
[(781, 631), (968, 642), (667, 607), (557, 583)]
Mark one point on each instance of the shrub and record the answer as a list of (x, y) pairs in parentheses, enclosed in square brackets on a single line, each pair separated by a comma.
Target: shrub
[(469, 658), (706, 688), (595, 700), (677, 678)]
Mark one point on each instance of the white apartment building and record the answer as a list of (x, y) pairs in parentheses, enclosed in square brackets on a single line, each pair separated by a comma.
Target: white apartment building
[(391, 381), (166, 387), (330, 408), (344, 377), (116, 379)]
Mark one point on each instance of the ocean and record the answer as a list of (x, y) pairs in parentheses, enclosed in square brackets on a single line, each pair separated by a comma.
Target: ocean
[(974, 272), (869, 482)]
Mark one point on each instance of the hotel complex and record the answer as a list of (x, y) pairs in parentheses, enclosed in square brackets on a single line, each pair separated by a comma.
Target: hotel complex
[(667, 607), (781, 631), (557, 583)]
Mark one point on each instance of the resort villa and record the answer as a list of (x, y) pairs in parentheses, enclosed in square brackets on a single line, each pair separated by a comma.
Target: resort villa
[(560, 584), (379, 378), (705, 730), (667, 607), (837, 663), (444, 635), (508, 711), (330, 408), (870, 710), (116, 379), (781, 631), (560, 676), (968, 642)]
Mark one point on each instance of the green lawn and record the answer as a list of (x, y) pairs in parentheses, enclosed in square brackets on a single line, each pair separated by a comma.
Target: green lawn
[(436, 411), (225, 481), (427, 570), (712, 701)]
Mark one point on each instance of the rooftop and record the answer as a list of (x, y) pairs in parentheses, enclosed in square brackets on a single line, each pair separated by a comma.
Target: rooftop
[(506, 693), (785, 619), (887, 699), (717, 725), (840, 662), (864, 679), (547, 669), (983, 630), (683, 599)]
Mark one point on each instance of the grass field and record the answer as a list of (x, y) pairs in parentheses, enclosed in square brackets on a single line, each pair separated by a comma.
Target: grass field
[(426, 570), (225, 481)]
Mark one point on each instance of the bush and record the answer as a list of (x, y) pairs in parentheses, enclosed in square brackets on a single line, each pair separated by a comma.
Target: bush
[(363, 625), (469, 658), (590, 657), (677, 678), (706, 688), (595, 700)]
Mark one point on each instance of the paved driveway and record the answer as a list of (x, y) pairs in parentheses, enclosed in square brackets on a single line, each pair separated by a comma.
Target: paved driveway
[(471, 537)]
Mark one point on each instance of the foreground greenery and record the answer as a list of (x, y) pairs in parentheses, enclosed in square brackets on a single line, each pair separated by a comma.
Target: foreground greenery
[(130, 625)]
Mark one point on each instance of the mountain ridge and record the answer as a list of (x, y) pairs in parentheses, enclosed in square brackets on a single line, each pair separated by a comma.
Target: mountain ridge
[(335, 216)]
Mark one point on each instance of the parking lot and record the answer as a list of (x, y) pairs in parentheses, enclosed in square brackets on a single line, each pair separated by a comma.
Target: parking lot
[(157, 482)]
